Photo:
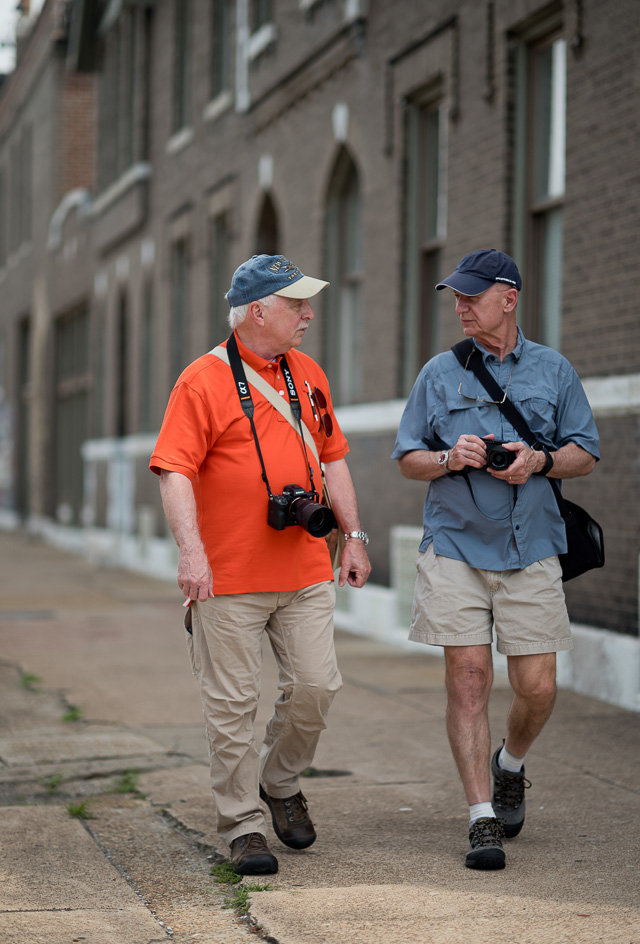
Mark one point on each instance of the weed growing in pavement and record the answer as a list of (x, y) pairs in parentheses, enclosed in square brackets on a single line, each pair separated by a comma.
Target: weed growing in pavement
[(28, 680), (79, 810), (240, 900), (52, 783), (127, 783), (73, 713), (224, 874)]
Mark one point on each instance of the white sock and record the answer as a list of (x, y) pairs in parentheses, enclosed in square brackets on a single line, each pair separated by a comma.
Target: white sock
[(480, 811), (507, 761)]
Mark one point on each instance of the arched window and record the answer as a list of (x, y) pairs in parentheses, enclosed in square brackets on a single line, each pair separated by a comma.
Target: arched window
[(343, 302), (268, 234)]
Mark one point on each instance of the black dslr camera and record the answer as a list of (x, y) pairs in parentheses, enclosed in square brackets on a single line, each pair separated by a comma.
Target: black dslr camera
[(295, 506), (499, 458)]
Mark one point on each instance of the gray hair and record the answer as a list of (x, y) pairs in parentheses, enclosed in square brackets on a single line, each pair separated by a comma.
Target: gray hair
[(239, 313)]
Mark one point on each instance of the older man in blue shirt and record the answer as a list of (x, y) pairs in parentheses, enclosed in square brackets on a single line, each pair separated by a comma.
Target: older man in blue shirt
[(489, 553)]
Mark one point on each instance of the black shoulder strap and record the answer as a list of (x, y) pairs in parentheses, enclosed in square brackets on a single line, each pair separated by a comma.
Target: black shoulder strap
[(471, 358)]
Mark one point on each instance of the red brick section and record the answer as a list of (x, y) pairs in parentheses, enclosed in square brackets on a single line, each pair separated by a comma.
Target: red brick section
[(77, 133)]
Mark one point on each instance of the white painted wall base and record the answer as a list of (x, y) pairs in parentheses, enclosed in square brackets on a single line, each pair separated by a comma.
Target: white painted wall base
[(603, 664)]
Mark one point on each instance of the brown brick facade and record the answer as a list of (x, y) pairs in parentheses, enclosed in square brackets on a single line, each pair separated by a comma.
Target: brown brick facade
[(337, 78)]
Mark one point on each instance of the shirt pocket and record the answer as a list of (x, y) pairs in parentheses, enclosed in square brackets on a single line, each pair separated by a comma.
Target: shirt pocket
[(465, 417), (539, 412)]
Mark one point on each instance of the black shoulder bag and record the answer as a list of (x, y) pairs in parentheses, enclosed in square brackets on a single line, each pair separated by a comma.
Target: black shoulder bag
[(585, 541)]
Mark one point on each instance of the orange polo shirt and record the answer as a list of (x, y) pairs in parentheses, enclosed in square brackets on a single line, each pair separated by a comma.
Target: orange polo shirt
[(206, 436)]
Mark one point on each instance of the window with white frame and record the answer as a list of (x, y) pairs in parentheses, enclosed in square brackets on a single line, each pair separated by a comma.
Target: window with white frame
[(261, 13), (425, 230), (117, 97), (179, 308), (219, 278), (344, 335), (221, 44), (181, 63), (147, 359), (72, 385), (540, 185)]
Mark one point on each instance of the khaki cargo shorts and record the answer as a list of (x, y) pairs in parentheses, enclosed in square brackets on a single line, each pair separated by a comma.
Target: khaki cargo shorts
[(455, 604)]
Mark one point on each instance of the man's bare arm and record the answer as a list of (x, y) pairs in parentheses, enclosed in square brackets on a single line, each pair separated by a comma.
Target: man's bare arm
[(355, 567), (194, 573)]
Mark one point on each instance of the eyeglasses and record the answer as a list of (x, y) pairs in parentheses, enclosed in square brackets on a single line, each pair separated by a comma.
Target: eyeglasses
[(319, 406), (484, 399)]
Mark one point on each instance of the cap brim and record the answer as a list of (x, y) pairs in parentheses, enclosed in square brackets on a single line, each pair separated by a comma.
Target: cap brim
[(466, 284), (306, 287)]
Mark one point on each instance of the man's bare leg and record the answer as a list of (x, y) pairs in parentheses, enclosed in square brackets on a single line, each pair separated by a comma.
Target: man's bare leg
[(533, 679), (469, 675)]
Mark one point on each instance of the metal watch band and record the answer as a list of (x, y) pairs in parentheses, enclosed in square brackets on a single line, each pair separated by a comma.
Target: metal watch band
[(361, 535)]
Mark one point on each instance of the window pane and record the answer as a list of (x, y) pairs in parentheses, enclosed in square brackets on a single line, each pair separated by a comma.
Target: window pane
[(181, 65), (147, 372), (343, 301), (220, 47), (261, 13), (430, 173), (71, 413), (551, 278), (219, 308), (549, 122), (179, 309)]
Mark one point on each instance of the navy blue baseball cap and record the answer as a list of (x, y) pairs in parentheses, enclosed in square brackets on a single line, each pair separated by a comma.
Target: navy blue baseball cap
[(265, 275), (480, 270)]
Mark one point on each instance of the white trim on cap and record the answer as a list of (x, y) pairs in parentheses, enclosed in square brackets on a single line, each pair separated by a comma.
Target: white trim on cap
[(305, 287)]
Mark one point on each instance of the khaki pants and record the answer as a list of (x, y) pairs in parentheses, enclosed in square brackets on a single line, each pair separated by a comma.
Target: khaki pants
[(226, 657)]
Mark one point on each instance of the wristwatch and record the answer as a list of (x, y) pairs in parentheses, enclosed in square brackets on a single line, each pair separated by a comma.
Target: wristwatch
[(547, 467), (443, 459), (361, 535)]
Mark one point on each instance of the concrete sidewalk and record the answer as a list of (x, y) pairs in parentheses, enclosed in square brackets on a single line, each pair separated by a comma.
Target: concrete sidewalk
[(108, 647)]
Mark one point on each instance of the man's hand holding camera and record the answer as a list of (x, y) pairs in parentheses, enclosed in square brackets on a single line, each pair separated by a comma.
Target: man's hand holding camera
[(473, 452)]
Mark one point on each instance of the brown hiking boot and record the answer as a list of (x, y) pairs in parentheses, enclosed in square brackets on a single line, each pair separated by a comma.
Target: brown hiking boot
[(291, 821), (250, 855)]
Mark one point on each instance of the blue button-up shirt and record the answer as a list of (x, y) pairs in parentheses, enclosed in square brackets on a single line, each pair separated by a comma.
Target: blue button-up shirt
[(500, 526)]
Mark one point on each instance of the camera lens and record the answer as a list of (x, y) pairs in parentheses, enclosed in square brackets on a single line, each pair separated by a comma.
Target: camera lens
[(317, 519), (499, 461)]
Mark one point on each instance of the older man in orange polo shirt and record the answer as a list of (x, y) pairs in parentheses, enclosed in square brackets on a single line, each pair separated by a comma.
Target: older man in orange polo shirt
[(250, 560)]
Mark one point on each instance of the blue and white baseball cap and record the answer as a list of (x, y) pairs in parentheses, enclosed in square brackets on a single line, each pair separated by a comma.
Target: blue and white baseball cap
[(480, 270), (266, 275)]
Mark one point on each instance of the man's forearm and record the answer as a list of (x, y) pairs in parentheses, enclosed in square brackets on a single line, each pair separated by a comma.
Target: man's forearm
[(355, 567), (421, 465), (343, 495), (180, 510), (194, 574), (571, 461)]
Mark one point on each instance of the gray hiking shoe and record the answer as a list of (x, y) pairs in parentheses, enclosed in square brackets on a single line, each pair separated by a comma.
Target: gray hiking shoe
[(508, 797), (485, 844)]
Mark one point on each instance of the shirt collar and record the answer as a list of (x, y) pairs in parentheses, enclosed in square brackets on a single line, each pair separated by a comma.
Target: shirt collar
[(516, 352)]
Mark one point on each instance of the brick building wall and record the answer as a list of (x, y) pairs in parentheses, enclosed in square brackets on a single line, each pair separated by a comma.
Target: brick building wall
[(77, 133), (330, 83)]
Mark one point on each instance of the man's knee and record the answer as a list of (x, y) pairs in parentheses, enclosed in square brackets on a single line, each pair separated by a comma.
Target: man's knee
[(469, 674), (318, 687), (533, 678)]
